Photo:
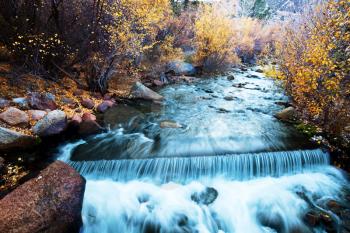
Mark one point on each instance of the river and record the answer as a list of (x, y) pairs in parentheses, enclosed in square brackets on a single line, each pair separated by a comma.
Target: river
[(211, 158)]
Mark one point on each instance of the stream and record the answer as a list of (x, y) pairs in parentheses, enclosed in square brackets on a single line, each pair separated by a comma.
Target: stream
[(211, 158)]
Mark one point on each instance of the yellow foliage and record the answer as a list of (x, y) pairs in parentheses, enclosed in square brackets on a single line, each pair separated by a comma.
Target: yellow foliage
[(314, 63)]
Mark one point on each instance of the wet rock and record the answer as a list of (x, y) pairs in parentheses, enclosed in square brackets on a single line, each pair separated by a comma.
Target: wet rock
[(87, 116), (208, 91), (53, 123), (10, 139), (14, 116), (89, 127), (229, 98), (4, 103), (170, 124), (312, 218), (244, 69), (158, 83), (287, 115), (42, 101), (205, 197), (51, 202), (259, 71), (139, 91), (231, 77), (223, 110), (21, 102), (36, 115), (238, 85), (87, 103), (104, 106), (180, 68)]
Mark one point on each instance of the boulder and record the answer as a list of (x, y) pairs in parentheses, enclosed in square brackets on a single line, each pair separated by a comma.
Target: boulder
[(229, 98), (10, 139), (158, 83), (53, 123), (170, 124), (89, 127), (88, 103), (42, 101), (51, 202), (180, 68), (14, 116), (36, 115), (287, 115), (206, 197), (231, 77), (139, 91), (88, 117), (76, 119), (104, 106), (4, 103), (259, 71), (21, 102)]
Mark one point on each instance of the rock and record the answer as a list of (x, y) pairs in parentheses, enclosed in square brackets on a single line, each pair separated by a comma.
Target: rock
[(140, 91), (205, 197), (2, 164), (68, 101), (53, 123), (312, 218), (104, 106), (88, 103), (223, 110), (108, 96), (238, 85), (231, 77), (42, 101), (14, 116), (10, 139), (36, 115), (170, 124), (287, 115), (78, 92), (76, 119), (21, 102), (244, 69), (51, 202), (158, 83), (88, 117), (4, 103), (229, 98), (5, 68), (180, 68), (259, 71), (89, 127)]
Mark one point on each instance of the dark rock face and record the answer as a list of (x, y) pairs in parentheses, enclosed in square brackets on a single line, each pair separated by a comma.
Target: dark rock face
[(89, 127), (231, 77), (139, 91), (42, 101), (10, 139), (88, 103), (53, 123), (14, 116), (51, 202), (205, 197), (104, 106), (180, 68)]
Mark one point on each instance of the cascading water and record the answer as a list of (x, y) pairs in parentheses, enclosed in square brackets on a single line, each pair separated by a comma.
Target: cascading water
[(232, 171)]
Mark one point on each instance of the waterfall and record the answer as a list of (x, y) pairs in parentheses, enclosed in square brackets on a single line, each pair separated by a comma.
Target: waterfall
[(186, 169)]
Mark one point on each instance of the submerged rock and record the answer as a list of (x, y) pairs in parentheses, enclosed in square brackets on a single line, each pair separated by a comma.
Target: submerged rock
[(231, 77), (89, 127), (10, 139), (180, 68), (205, 197), (287, 115), (51, 202), (14, 116), (53, 123), (139, 91), (170, 124), (104, 106)]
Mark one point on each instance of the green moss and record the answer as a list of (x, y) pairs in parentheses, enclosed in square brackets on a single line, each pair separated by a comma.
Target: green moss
[(307, 129)]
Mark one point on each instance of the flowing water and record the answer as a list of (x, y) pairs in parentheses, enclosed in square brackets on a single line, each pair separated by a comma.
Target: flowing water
[(211, 158)]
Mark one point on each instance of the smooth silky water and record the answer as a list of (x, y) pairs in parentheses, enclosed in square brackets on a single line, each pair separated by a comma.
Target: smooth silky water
[(142, 177)]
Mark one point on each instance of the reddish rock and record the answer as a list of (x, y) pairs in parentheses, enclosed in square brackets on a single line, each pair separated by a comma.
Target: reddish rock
[(51, 202), (108, 96), (104, 106), (76, 119), (88, 117), (78, 92), (14, 116), (36, 115), (42, 101), (88, 103), (89, 127)]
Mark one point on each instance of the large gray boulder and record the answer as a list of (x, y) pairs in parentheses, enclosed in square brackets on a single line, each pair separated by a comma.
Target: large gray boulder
[(53, 123), (139, 91), (180, 68), (10, 139), (51, 202)]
